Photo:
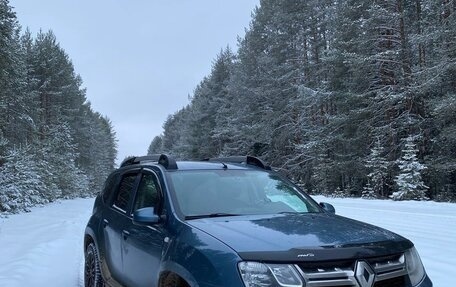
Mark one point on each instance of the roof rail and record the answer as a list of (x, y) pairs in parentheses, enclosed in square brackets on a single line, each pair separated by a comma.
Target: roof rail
[(166, 161), (250, 160)]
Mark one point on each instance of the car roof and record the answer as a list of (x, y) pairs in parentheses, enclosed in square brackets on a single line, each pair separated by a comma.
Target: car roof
[(169, 163), (198, 165)]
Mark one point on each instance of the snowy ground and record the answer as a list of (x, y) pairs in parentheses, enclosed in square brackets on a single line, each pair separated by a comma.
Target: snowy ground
[(430, 225), (43, 248)]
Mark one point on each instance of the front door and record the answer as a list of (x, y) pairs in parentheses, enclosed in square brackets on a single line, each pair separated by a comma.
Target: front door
[(142, 245)]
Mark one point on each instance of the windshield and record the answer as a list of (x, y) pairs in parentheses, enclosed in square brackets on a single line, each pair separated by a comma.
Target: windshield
[(236, 192)]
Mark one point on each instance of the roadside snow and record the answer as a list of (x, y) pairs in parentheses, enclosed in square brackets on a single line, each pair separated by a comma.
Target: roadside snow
[(431, 226), (44, 247)]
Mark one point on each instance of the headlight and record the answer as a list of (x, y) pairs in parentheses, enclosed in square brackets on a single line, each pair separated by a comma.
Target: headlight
[(255, 274), (414, 266)]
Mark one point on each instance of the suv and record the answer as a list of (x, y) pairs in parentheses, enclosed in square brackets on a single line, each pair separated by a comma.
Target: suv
[(232, 222)]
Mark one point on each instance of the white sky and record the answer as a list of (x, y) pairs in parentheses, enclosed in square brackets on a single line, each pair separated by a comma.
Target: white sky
[(139, 60)]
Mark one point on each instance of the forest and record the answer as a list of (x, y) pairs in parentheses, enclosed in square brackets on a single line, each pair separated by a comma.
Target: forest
[(52, 144), (346, 97)]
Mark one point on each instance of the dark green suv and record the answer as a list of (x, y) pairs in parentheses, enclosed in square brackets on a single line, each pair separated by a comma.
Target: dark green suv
[(232, 222)]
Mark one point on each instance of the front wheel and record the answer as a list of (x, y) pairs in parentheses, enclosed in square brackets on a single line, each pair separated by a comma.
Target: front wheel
[(173, 281), (92, 271)]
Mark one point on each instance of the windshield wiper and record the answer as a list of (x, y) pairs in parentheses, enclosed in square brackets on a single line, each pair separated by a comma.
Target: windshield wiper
[(296, 212), (292, 212), (288, 212), (220, 214)]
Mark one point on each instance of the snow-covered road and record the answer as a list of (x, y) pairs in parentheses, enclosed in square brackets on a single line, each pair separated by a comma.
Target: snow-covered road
[(43, 248)]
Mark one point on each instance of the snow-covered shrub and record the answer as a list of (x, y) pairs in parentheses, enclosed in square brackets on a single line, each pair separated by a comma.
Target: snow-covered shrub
[(339, 193)]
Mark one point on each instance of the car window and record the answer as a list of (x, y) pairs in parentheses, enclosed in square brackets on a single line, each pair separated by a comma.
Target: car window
[(125, 191), (109, 187), (148, 192), (277, 191), (238, 192)]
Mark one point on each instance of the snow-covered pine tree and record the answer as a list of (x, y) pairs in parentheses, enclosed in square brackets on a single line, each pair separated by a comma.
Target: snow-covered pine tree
[(52, 144), (58, 152), (156, 146), (409, 182), (208, 99), (176, 134), (321, 174), (378, 170), (14, 117), (368, 192), (20, 181), (380, 62)]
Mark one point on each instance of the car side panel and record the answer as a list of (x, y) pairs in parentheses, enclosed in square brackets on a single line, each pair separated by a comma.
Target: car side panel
[(111, 225), (200, 259), (142, 252)]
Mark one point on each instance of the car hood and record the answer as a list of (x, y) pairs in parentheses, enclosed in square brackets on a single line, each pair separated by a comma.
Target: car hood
[(299, 237)]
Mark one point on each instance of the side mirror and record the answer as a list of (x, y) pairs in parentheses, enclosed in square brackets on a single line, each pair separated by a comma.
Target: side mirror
[(328, 207), (145, 216)]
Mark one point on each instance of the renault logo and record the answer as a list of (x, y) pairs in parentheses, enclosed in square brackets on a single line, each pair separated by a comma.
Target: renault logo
[(364, 274)]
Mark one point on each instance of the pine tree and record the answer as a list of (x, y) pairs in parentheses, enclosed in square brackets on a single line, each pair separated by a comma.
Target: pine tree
[(368, 192), (441, 158), (156, 146), (31, 82), (52, 145), (378, 171), (97, 149), (13, 109), (409, 181), (22, 185), (176, 134), (58, 87), (314, 81)]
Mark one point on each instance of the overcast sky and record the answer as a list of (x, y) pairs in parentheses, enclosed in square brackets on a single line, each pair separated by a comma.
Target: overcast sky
[(139, 60)]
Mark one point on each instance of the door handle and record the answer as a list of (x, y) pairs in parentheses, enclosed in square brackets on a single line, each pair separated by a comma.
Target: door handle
[(105, 223), (125, 234)]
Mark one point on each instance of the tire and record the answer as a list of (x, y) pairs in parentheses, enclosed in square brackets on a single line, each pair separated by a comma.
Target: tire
[(173, 281), (92, 271)]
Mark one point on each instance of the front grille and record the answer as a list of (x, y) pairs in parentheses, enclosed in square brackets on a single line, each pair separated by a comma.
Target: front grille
[(389, 272), (393, 282), (323, 265)]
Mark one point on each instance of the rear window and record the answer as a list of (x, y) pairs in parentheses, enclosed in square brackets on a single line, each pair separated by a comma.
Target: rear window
[(109, 187), (125, 192)]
